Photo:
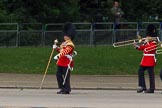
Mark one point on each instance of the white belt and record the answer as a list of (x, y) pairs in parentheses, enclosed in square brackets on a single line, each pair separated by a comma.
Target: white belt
[(149, 54)]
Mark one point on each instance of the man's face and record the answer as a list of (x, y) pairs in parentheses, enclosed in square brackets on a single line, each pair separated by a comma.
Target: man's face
[(116, 4), (66, 38)]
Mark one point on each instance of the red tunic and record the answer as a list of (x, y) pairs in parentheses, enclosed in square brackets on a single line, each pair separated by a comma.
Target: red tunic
[(149, 50), (66, 48)]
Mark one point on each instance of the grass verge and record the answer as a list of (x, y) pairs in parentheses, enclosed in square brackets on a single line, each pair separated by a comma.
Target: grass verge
[(99, 60)]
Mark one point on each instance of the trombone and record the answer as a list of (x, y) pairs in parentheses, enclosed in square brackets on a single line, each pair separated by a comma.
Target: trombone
[(131, 42), (124, 43)]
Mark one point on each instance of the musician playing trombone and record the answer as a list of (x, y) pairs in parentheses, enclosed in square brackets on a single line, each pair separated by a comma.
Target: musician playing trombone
[(148, 61)]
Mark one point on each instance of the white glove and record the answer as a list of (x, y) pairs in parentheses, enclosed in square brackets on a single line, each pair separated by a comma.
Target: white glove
[(54, 46), (56, 57), (135, 45)]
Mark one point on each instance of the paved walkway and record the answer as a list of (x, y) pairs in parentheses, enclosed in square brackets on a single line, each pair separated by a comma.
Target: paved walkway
[(114, 92), (77, 81), (47, 98)]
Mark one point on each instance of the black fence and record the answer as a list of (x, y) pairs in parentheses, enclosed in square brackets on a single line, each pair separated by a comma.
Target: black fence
[(38, 34)]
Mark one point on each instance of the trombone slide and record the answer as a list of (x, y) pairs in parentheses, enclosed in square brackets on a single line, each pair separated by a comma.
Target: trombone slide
[(124, 43), (131, 42)]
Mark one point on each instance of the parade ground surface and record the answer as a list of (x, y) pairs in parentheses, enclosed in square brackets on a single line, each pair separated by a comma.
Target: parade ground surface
[(88, 91)]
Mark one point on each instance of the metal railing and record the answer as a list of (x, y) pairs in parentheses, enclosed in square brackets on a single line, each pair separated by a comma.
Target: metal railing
[(29, 34)]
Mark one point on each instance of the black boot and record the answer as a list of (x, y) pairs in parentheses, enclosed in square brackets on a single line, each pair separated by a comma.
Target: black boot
[(142, 89), (161, 74), (149, 91), (65, 92), (60, 92)]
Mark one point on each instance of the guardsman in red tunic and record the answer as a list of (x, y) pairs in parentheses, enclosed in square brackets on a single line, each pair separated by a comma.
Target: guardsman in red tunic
[(148, 61), (63, 58)]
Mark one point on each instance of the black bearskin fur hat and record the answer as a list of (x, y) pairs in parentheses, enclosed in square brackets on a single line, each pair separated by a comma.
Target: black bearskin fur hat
[(69, 30), (151, 30)]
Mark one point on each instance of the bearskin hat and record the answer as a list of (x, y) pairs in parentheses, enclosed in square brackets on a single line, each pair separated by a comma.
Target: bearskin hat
[(69, 30), (151, 30)]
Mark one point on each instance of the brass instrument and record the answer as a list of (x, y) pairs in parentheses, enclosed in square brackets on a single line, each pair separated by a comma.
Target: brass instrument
[(124, 43), (131, 42)]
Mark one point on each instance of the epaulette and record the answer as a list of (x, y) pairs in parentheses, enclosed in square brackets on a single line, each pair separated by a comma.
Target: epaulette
[(70, 43)]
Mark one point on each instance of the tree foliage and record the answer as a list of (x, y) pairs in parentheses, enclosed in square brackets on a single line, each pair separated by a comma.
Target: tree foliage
[(51, 11), (39, 10), (142, 10)]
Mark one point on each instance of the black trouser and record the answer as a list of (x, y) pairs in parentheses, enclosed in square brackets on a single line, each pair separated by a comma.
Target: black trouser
[(161, 74), (61, 71), (141, 76)]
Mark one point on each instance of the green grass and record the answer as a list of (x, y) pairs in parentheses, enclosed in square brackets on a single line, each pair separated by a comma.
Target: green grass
[(98, 60)]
